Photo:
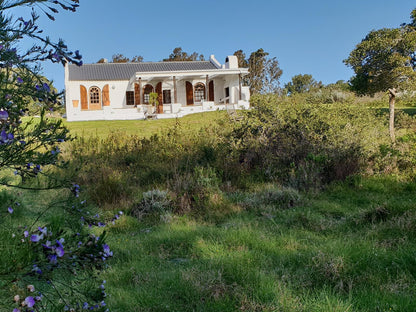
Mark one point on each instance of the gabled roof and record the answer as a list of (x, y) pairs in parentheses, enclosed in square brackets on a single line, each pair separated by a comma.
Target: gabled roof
[(124, 71)]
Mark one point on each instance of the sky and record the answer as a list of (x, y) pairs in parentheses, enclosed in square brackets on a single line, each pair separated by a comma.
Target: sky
[(305, 36)]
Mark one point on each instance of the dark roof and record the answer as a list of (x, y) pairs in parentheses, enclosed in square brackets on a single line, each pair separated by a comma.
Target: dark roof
[(124, 71)]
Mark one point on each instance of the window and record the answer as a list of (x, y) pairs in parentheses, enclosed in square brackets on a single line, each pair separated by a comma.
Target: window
[(130, 97), (199, 92), (95, 95), (146, 91), (166, 97)]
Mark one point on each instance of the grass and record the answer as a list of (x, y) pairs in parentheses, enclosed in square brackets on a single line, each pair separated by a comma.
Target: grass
[(351, 247), (330, 253), (143, 128)]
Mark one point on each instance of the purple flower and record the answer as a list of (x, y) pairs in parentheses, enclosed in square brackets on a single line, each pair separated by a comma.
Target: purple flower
[(10, 209), (35, 238), (107, 251), (60, 252), (4, 115), (19, 80), (30, 301), (3, 136), (46, 87), (16, 310), (52, 259), (26, 233)]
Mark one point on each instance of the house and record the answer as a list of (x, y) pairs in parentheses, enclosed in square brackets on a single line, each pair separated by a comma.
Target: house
[(121, 91)]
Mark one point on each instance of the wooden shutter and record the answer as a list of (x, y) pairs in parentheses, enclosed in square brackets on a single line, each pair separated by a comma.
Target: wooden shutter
[(160, 98), (106, 95), (84, 98), (136, 94), (211, 91), (189, 93)]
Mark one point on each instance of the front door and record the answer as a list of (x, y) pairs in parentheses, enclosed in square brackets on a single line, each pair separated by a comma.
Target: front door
[(189, 93)]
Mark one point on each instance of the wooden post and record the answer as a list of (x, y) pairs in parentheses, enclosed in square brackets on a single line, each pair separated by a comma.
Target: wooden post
[(206, 88), (140, 90), (175, 93), (392, 99), (239, 87)]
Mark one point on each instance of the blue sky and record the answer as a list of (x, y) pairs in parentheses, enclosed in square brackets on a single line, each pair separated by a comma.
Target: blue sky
[(306, 37)]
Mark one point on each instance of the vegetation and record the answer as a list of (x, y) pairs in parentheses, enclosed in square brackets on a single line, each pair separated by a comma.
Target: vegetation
[(302, 203), (385, 60), (216, 219), (264, 72)]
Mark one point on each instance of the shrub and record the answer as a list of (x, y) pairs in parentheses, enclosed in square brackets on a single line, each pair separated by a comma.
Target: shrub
[(304, 145), (153, 202), (272, 195)]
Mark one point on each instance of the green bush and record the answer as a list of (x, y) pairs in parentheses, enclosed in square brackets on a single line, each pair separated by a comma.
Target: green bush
[(153, 202)]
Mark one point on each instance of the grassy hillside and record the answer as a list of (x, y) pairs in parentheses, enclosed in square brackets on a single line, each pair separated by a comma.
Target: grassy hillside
[(302, 207)]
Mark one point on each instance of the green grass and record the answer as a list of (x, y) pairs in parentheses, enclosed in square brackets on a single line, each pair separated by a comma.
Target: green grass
[(142, 128), (260, 247), (334, 252)]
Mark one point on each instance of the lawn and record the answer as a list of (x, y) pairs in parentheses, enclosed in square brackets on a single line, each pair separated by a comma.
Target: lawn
[(142, 128), (351, 248)]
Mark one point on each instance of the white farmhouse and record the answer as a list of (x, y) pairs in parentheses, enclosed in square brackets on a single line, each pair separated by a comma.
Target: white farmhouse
[(121, 91)]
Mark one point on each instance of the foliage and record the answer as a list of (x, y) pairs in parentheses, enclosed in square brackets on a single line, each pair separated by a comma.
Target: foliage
[(264, 72), (384, 59), (57, 259), (304, 145), (153, 99), (302, 84), (179, 55), (120, 58)]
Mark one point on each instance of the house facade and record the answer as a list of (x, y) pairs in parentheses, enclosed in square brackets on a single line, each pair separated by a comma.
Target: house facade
[(122, 91)]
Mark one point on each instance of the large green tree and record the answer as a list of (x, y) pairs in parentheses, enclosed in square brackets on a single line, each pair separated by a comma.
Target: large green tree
[(264, 72), (301, 83), (385, 61)]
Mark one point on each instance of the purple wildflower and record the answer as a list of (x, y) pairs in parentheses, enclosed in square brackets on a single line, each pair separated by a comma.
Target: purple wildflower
[(16, 310), (107, 251), (26, 233), (60, 252), (19, 80), (52, 259), (46, 87), (4, 115), (30, 301), (35, 238), (10, 209)]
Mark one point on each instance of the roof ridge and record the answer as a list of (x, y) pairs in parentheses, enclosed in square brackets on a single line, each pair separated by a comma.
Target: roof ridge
[(129, 63)]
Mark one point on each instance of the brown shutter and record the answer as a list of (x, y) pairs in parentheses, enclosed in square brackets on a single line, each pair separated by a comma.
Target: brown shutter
[(84, 98), (160, 98), (211, 91), (106, 95), (189, 93), (136, 94)]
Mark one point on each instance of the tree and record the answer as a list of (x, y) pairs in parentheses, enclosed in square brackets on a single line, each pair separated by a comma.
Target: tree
[(264, 72), (301, 84), (385, 61), (179, 55), (120, 58), (241, 57)]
